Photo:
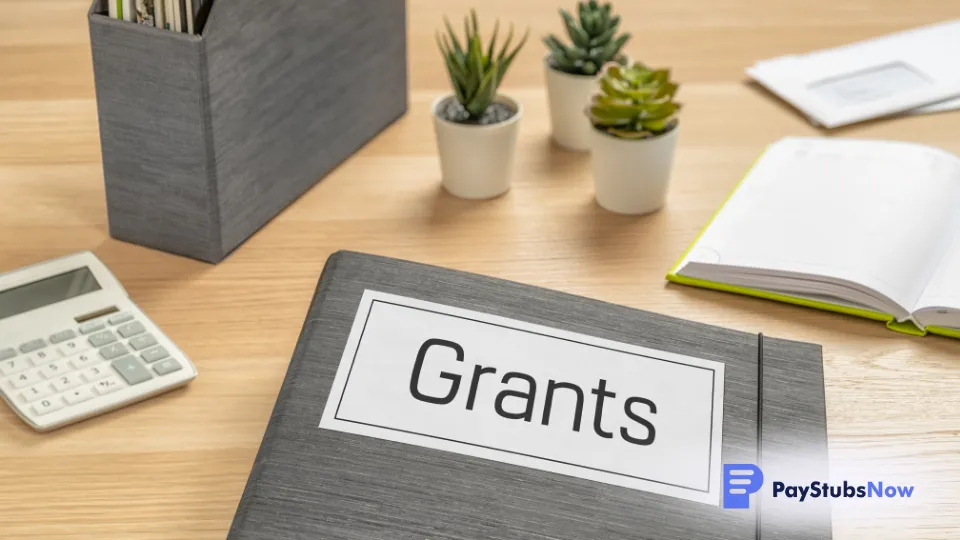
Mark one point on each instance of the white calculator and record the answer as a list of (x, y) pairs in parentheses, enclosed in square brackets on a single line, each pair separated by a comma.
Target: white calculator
[(73, 345)]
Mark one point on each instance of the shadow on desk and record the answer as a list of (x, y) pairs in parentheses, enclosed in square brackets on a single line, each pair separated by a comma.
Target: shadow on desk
[(560, 164), (149, 275), (446, 208), (20, 435), (787, 108)]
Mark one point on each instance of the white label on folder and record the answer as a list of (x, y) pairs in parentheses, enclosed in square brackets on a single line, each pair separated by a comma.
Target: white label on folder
[(487, 386)]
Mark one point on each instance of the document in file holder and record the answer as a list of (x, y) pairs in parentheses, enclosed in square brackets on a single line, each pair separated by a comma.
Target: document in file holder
[(913, 70)]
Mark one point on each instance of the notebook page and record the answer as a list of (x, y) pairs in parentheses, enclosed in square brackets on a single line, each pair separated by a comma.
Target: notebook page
[(943, 290), (870, 212)]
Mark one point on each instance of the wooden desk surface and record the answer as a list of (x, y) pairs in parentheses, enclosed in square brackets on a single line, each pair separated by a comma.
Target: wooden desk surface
[(174, 467)]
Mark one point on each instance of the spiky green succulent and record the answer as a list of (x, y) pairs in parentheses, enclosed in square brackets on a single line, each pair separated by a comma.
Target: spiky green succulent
[(634, 102), (476, 72), (594, 40)]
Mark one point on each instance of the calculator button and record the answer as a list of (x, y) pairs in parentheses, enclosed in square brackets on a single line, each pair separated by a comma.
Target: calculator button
[(131, 370), (7, 353), (95, 373), (130, 330), (55, 369), (91, 327), (78, 395), (113, 351), (82, 360), (66, 382), (25, 379), (33, 345), (103, 338), (167, 366), (107, 385), (72, 347), (36, 392), (142, 342), (14, 365), (60, 337), (120, 318), (154, 354), (47, 406), (42, 357), (38, 359)]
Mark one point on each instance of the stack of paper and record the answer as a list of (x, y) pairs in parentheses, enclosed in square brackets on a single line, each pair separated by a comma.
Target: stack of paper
[(908, 72)]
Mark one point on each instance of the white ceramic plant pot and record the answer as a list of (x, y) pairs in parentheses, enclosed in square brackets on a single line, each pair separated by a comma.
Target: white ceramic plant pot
[(567, 95), (632, 176), (476, 162)]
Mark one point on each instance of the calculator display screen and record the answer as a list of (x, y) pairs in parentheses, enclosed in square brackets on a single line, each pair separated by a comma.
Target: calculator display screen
[(47, 291)]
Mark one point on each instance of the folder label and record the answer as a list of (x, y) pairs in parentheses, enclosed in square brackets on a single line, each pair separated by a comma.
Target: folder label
[(490, 387)]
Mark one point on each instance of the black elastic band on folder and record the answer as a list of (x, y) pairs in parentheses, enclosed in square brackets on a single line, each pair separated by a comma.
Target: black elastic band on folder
[(759, 423)]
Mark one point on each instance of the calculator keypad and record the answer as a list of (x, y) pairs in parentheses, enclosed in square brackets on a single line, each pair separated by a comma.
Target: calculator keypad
[(120, 318), (60, 337), (78, 395), (54, 369), (66, 382), (167, 366), (72, 346), (145, 341), (14, 365), (47, 406), (131, 370), (82, 360), (154, 354), (33, 345), (107, 385), (130, 330), (40, 358), (112, 351), (36, 392), (91, 327), (103, 338), (95, 373), (78, 365), (25, 379)]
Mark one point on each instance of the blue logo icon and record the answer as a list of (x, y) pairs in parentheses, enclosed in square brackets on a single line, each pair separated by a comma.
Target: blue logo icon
[(739, 481)]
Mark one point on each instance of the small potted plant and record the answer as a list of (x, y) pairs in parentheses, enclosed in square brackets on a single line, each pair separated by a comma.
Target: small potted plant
[(572, 69), (634, 134), (476, 127)]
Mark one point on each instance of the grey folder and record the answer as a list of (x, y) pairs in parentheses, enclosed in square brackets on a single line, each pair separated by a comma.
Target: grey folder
[(312, 483)]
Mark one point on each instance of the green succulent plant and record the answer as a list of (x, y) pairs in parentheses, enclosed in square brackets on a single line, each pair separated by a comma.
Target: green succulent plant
[(594, 40), (634, 102), (476, 71)]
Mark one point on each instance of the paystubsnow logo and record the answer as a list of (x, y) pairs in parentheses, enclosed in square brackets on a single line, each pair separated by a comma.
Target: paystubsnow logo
[(742, 480), (739, 482)]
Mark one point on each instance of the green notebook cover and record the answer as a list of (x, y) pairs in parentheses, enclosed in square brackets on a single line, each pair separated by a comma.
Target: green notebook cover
[(890, 320)]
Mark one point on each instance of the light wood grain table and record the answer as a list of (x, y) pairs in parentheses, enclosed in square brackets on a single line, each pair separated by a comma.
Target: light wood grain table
[(174, 467)]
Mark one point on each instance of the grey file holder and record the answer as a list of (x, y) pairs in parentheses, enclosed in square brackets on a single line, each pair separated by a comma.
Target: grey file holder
[(309, 483), (207, 137)]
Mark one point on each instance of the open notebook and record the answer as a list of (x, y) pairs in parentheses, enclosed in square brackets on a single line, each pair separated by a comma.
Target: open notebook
[(867, 228)]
